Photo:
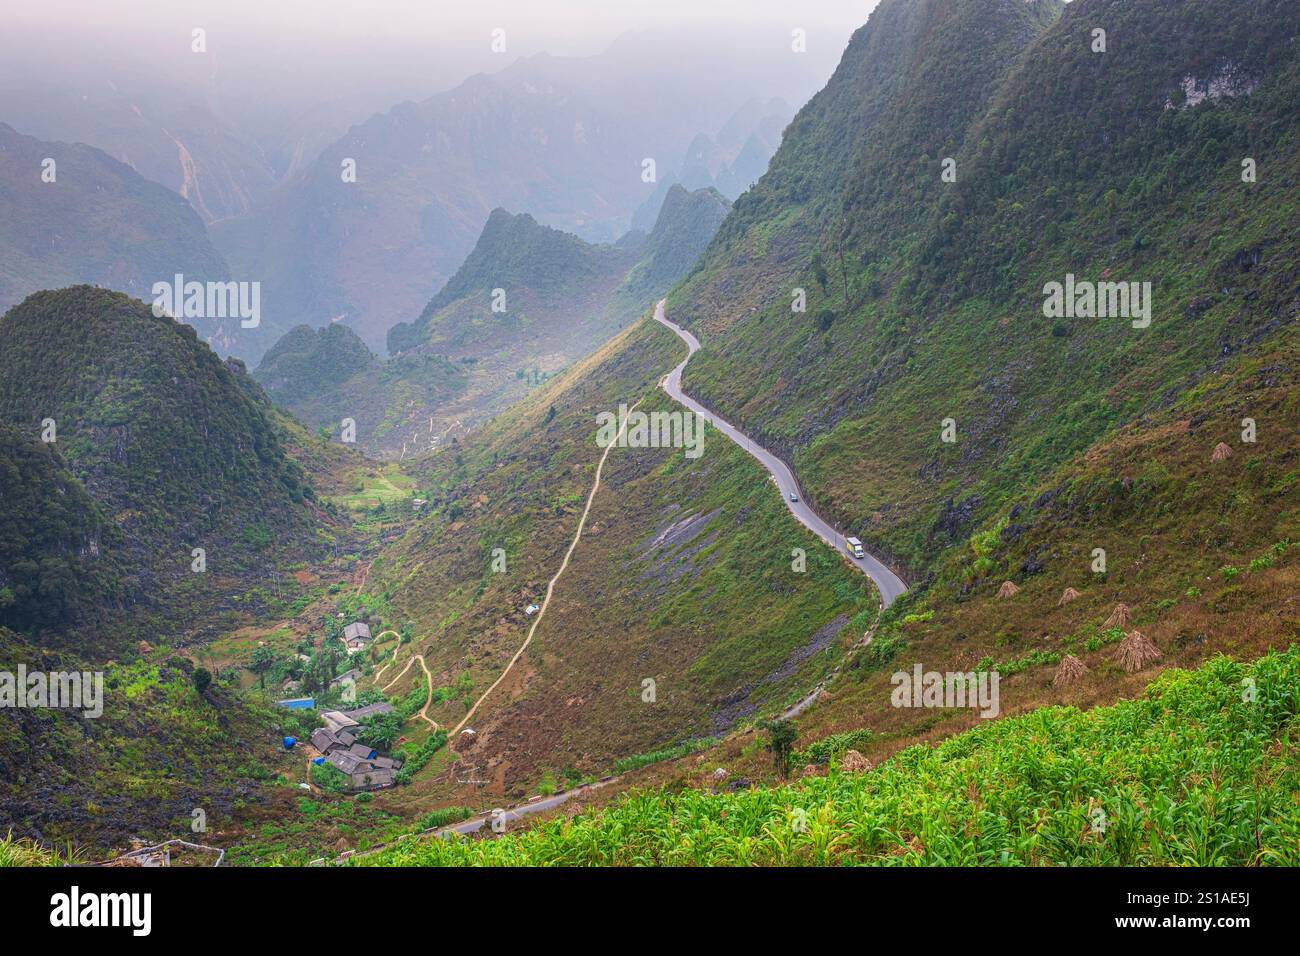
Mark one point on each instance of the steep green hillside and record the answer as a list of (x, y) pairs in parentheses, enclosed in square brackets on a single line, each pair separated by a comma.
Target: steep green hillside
[(685, 576), (98, 222), (51, 535), (925, 297), (177, 449), (1191, 773), (160, 750), (1199, 548)]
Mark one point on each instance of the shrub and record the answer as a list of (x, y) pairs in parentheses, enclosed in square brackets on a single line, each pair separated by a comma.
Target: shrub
[(781, 735), (331, 778)]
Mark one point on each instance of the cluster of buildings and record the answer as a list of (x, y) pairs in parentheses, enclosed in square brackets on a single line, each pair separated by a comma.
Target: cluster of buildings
[(339, 747)]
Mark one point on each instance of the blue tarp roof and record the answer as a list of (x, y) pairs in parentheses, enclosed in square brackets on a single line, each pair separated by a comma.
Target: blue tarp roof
[(298, 703)]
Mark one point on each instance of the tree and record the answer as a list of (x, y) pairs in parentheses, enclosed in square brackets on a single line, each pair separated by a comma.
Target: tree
[(202, 679), (381, 730), (263, 661), (781, 735), (819, 270)]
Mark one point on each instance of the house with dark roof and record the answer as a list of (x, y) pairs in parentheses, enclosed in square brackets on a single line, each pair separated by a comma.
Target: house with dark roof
[(373, 779), (348, 675), (338, 722), (370, 710), (362, 752), (347, 762), (356, 637), (337, 742), (324, 740)]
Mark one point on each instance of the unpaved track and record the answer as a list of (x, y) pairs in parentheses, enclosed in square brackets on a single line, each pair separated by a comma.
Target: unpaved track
[(550, 587), (428, 680)]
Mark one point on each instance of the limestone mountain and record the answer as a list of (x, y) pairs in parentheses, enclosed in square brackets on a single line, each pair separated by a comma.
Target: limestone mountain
[(70, 213), (156, 447), (686, 225), (926, 250), (541, 273), (528, 302), (324, 376), (551, 135), (730, 161)]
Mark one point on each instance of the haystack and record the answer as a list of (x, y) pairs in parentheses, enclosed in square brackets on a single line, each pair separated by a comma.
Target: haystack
[(1008, 589), (1118, 617), (1069, 671), (1068, 595), (1221, 451), (854, 762), (1136, 652)]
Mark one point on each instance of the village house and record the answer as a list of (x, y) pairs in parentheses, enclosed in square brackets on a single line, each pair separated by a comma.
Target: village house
[(337, 721), (370, 710), (346, 683), (344, 760), (356, 637), (373, 779), (349, 675)]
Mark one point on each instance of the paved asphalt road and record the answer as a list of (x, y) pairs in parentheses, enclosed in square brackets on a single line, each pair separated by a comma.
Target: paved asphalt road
[(890, 584), (537, 805)]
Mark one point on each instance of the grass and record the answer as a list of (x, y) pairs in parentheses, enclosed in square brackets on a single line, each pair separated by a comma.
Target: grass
[(385, 485), (1191, 773), (23, 852)]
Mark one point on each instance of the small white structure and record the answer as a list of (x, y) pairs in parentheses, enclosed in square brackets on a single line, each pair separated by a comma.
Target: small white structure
[(531, 609), (347, 686)]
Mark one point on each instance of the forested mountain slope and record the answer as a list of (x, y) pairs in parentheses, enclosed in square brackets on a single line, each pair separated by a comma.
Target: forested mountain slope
[(925, 298), (89, 218), (685, 576), (160, 447)]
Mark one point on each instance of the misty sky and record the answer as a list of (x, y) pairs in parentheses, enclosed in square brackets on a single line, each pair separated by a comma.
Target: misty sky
[(558, 26), (272, 59)]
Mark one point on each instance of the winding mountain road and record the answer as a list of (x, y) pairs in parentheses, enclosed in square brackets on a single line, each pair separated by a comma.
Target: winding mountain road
[(890, 585)]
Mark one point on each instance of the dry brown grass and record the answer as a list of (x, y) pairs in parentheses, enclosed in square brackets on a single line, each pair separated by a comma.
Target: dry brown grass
[(854, 762), (1136, 652), (1069, 671), (1068, 595), (1119, 617), (1008, 589)]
